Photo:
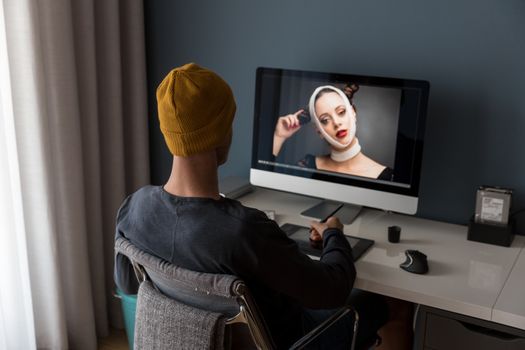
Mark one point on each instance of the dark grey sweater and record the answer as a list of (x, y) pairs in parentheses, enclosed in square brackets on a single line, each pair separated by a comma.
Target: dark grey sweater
[(223, 236)]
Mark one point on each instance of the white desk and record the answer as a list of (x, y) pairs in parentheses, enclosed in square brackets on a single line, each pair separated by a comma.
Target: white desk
[(510, 307), (464, 277)]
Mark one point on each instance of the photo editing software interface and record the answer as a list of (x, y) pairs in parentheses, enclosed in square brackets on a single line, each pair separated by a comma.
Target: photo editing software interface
[(355, 130)]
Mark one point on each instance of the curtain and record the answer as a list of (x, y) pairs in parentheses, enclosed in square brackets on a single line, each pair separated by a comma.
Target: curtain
[(75, 144)]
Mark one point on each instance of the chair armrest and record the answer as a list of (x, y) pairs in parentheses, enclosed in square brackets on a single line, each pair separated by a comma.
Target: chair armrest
[(326, 324)]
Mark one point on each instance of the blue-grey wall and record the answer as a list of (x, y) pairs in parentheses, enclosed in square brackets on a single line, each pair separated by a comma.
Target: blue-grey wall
[(471, 51)]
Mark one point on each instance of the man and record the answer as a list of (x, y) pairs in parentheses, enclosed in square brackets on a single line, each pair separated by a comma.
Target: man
[(188, 223)]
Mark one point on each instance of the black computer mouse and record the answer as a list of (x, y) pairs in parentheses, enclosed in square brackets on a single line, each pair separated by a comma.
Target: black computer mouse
[(416, 262)]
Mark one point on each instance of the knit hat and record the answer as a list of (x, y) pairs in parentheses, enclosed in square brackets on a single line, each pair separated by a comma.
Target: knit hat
[(196, 109)]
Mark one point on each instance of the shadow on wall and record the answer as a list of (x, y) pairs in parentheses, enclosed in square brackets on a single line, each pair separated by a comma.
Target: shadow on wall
[(450, 178)]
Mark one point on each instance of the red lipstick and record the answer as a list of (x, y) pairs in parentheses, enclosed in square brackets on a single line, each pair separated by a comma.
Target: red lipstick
[(341, 134)]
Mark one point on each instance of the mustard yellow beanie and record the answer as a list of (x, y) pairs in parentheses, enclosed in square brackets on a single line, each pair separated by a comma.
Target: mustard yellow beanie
[(196, 109)]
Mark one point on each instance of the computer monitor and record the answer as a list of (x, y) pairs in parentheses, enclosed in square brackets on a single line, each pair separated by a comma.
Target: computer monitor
[(344, 138)]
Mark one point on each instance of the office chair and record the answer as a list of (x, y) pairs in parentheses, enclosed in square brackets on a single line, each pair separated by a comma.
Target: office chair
[(179, 308)]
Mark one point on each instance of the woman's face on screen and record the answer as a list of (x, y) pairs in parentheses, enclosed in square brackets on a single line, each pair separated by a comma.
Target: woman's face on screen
[(333, 116)]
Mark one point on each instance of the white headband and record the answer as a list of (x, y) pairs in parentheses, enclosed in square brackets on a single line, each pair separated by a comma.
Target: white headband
[(337, 156), (348, 107)]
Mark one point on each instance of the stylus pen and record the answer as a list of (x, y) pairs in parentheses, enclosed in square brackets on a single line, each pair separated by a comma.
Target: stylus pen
[(332, 213)]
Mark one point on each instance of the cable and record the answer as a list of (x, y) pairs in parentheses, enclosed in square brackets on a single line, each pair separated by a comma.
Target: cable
[(512, 215)]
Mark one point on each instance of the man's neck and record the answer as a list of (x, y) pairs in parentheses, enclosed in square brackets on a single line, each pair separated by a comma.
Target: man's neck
[(194, 176)]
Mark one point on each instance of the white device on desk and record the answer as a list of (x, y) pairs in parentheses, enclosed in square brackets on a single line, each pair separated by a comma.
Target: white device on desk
[(388, 128)]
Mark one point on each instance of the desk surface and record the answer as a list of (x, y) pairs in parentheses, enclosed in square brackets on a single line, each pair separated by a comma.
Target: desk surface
[(510, 307), (464, 277)]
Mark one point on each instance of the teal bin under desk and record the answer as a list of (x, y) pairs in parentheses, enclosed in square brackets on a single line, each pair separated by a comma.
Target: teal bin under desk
[(129, 306)]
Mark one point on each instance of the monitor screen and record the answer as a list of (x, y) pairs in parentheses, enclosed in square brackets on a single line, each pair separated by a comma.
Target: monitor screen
[(351, 138)]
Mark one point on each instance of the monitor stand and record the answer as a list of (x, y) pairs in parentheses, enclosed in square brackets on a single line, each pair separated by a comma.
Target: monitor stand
[(346, 214)]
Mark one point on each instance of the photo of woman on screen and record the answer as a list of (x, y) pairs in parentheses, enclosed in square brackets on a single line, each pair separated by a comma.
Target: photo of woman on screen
[(334, 116)]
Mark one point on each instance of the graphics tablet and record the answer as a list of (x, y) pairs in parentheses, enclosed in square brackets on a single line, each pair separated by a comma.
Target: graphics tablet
[(301, 235)]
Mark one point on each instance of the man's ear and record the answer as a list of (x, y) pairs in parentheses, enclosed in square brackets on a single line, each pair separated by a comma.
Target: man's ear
[(223, 149)]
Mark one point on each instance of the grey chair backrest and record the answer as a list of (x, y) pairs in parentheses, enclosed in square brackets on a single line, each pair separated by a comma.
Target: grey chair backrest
[(218, 293), (164, 323)]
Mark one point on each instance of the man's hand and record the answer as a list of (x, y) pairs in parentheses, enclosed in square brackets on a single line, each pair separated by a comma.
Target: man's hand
[(317, 228)]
